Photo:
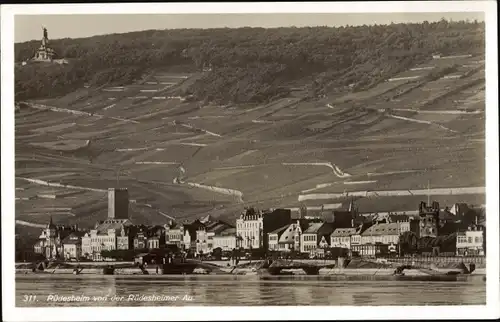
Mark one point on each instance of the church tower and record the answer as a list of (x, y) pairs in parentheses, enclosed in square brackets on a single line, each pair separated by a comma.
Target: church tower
[(51, 229)]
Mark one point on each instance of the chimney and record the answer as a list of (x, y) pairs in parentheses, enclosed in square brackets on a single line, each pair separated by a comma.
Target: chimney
[(476, 220), (352, 222)]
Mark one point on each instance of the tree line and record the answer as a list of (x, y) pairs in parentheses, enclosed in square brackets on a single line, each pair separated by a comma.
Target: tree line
[(249, 65)]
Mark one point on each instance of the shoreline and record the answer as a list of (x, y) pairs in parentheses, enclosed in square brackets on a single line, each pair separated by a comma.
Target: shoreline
[(241, 271)]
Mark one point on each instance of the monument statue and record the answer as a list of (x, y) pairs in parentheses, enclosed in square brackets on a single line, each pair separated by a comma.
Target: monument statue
[(44, 53), (45, 39)]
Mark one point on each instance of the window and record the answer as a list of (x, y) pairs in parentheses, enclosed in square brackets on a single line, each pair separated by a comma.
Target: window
[(469, 240)]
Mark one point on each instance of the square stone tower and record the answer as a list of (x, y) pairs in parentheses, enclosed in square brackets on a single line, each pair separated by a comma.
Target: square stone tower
[(118, 201)]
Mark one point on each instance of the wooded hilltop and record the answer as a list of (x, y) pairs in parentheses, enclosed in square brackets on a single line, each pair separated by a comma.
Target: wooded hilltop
[(249, 65)]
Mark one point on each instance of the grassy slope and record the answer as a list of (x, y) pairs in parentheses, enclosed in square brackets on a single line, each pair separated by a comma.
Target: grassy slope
[(241, 154)]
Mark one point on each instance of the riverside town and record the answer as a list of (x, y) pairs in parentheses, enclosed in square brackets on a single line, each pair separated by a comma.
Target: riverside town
[(324, 164), (432, 235)]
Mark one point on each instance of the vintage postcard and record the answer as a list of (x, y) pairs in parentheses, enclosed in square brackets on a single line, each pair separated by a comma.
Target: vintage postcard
[(161, 160)]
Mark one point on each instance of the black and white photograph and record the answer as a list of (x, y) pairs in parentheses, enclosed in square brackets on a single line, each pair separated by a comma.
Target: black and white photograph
[(243, 156)]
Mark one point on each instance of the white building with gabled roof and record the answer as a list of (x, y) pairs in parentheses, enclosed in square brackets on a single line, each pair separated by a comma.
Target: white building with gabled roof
[(341, 237), (309, 238)]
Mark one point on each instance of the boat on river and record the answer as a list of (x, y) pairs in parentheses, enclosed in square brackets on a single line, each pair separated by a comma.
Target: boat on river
[(108, 270)]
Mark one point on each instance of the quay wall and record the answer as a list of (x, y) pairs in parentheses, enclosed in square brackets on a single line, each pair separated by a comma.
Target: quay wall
[(478, 260), (324, 271), (86, 271), (439, 261)]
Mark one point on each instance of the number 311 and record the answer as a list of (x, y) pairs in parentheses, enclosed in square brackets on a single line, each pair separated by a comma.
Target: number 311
[(29, 298)]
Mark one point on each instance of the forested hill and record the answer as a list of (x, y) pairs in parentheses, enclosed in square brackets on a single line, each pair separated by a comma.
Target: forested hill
[(248, 64)]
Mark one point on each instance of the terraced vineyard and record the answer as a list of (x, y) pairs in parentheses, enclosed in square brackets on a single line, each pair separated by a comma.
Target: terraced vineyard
[(185, 159)]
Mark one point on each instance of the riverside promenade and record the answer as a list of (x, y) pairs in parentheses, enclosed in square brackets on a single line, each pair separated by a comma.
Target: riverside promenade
[(295, 267)]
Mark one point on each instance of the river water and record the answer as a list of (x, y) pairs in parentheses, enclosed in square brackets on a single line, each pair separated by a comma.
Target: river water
[(232, 290)]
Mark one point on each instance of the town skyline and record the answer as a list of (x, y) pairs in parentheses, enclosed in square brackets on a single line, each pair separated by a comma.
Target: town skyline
[(271, 231)]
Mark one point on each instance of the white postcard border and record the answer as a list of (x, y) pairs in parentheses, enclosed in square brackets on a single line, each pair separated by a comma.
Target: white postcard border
[(11, 313)]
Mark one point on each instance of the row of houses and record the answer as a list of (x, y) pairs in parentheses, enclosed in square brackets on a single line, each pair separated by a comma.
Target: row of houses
[(200, 237), (311, 236), (316, 237), (270, 230)]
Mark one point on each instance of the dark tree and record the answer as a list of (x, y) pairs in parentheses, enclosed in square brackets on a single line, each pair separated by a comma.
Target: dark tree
[(408, 242), (217, 253)]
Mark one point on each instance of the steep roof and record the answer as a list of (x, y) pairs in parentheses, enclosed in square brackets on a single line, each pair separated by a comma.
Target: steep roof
[(279, 230), (343, 232), (112, 224), (447, 216), (326, 229), (216, 227), (304, 222), (228, 231), (64, 232), (73, 238), (206, 219), (313, 228), (382, 229), (287, 237), (360, 220), (251, 214)]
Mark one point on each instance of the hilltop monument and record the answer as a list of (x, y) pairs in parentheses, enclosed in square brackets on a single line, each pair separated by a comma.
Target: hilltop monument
[(44, 53)]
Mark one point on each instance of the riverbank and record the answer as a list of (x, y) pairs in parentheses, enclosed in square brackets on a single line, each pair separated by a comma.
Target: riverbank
[(224, 264), (244, 271), (368, 263), (351, 271)]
